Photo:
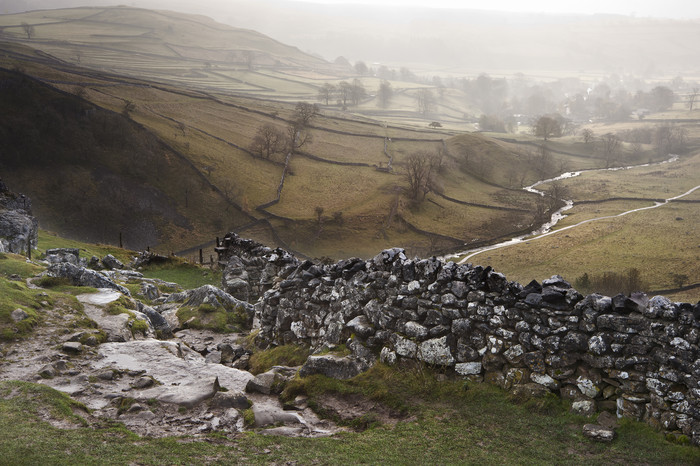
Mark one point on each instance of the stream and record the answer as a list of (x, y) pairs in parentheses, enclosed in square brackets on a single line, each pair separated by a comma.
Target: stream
[(546, 229)]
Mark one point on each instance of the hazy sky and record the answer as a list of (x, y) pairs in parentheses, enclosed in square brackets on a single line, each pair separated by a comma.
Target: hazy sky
[(659, 8)]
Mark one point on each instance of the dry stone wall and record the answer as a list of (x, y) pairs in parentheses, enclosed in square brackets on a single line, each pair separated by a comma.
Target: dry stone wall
[(632, 355)]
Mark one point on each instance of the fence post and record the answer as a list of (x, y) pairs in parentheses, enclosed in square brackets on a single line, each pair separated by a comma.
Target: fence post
[(201, 257)]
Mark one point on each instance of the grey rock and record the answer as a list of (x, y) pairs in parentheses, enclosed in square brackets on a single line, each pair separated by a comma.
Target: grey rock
[(56, 255), (468, 368), (142, 382), (415, 330), (80, 276), (387, 356), (436, 351), (111, 262), (18, 315), (584, 407), (332, 366), (72, 347), (598, 433)]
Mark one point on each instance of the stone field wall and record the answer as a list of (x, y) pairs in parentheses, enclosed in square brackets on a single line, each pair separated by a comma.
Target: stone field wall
[(635, 356)]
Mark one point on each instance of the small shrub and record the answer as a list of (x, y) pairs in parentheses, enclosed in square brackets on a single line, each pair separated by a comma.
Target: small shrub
[(248, 417)]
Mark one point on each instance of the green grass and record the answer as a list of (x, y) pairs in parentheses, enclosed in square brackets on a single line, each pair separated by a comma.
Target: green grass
[(16, 295), (450, 425), (186, 275), (285, 355), (213, 318), (50, 240), (14, 264)]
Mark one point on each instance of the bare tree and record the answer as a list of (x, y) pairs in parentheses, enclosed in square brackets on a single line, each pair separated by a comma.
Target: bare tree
[(361, 68), (420, 170), (587, 135), (692, 98), (425, 100), (297, 136), (385, 94), (28, 30), (610, 148), (547, 127), (357, 91), (344, 92), (304, 113), (326, 92), (268, 141)]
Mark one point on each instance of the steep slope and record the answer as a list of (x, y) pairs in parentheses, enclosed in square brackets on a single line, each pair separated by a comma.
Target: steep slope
[(95, 174)]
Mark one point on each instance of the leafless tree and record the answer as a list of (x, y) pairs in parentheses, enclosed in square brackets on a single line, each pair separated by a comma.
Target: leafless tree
[(547, 127), (384, 94), (357, 91), (425, 100), (361, 68), (326, 92), (693, 97), (28, 30), (344, 92), (297, 136), (304, 113), (610, 147), (587, 135), (421, 168), (268, 141)]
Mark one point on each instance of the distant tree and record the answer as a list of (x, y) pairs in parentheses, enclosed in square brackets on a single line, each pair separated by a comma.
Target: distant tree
[(693, 97), (344, 92), (407, 75), (384, 94), (435, 124), (587, 135), (661, 98), (547, 127), (610, 147), (425, 100), (326, 92), (420, 170), (28, 30), (249, 57), (319, 214), (268, 141), (357, 91), (361, 68), (492, 123), (297, 136), (129, 107), (679, 279), (304, 113)]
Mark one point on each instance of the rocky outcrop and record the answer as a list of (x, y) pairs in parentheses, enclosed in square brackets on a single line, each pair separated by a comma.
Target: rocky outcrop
[(80, 276), (18, 228), (633, 355)]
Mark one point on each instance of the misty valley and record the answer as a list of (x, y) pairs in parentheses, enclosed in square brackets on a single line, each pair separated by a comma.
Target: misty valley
[(216, 247)]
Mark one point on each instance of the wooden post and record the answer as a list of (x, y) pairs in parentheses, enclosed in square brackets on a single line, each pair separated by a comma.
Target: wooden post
[(120, 240), (29, 249), (201, 257), (217, 242)]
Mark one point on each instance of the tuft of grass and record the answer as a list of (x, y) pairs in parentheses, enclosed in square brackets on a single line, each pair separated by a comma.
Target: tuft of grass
[(285, 355), (183, 273), (213, 318)]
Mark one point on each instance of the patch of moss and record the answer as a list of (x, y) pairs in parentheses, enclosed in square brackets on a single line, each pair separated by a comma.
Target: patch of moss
[(285, 355), (213, 318), (249, 417)]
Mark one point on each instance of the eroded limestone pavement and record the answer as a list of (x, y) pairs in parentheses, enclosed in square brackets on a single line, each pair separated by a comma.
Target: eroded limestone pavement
[(142, 368)]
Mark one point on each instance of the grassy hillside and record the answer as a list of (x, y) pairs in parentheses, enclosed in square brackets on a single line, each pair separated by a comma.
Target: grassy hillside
[(205, 138), (94, 174)]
